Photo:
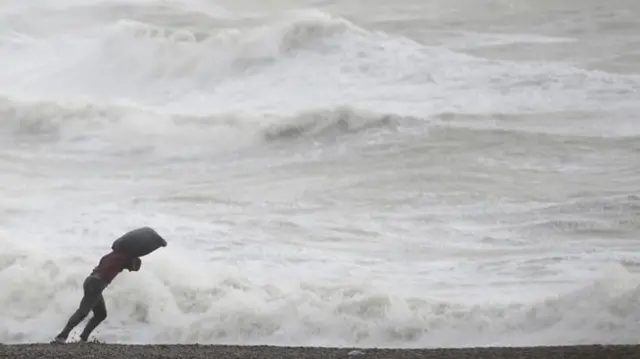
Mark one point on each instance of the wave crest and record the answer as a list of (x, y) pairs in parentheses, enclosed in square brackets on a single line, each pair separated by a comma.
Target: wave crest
[(159, 306), (66, 124), (332, 122)]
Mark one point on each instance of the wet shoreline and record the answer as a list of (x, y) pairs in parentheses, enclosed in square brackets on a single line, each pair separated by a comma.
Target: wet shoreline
[(108, 351)]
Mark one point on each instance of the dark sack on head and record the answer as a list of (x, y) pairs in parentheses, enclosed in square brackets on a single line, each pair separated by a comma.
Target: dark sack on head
[(139, 242)]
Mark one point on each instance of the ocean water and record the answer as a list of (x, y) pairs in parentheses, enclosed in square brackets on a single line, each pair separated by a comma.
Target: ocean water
[(343, 173)]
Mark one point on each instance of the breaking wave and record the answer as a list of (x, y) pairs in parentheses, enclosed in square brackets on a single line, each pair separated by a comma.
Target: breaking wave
[(71, 125), (170, 302)]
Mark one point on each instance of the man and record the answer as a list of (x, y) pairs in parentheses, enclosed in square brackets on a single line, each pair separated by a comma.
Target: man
[(126, 253), (107, 269)]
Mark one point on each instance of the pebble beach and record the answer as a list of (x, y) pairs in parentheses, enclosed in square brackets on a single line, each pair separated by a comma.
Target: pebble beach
[(108, 351)]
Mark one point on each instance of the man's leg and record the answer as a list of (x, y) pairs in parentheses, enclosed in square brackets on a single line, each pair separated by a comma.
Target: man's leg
[(92, 294), (99, 314)]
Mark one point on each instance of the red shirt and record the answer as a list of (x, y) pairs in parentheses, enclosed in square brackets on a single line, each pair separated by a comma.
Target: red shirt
[(110, 265)]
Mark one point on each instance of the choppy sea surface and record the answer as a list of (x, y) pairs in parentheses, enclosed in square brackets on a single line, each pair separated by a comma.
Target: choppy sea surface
[(343, 173)]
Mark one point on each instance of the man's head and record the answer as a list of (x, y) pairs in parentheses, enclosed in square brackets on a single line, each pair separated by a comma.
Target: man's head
[(135, 264)]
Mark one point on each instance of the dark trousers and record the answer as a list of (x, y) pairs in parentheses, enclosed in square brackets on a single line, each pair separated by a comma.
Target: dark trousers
[(91, 301)]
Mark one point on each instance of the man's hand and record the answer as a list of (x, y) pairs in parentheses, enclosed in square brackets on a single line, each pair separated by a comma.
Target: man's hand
[(135, 264)]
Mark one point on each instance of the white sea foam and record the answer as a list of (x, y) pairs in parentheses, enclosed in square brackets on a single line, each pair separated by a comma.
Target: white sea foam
[(209, 302)]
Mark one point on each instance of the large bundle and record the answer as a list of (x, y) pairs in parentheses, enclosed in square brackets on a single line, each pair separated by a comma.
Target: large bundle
[(139, 242)]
